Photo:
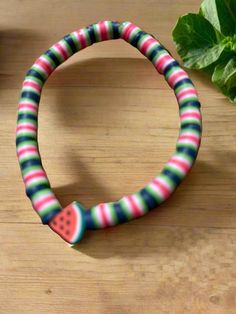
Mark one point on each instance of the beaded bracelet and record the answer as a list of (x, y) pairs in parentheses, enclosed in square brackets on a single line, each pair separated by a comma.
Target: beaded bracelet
[(72, 221)]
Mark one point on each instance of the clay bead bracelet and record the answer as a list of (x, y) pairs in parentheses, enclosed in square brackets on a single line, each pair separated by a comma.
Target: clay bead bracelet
[(72, 221)]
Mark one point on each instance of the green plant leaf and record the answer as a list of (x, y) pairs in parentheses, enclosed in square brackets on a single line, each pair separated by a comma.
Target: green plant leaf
[(198, 43), (224, 58), (224, 77), (221, 14), (207, 42)]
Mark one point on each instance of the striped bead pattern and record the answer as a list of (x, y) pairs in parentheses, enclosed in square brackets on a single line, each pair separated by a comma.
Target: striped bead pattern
[(161, 187)]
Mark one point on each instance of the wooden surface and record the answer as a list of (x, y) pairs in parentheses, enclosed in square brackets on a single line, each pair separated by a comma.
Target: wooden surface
[(108, 123)]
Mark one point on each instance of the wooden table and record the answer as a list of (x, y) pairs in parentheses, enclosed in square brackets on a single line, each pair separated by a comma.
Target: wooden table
[(108, 123)]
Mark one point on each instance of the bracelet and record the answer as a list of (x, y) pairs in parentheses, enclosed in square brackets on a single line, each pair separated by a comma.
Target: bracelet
[(71, 222)]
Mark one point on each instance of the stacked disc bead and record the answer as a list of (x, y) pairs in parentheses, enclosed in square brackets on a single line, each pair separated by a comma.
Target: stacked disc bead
[(38, 188)]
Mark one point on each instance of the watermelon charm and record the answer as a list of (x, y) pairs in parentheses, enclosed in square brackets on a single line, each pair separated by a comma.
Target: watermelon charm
[(69, 223)]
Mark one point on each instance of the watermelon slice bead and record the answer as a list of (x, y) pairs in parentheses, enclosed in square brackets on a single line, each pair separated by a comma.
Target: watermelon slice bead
[(69, 223)]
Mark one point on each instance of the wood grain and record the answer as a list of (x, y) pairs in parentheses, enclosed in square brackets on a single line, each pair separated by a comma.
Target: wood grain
[(108, 123)]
